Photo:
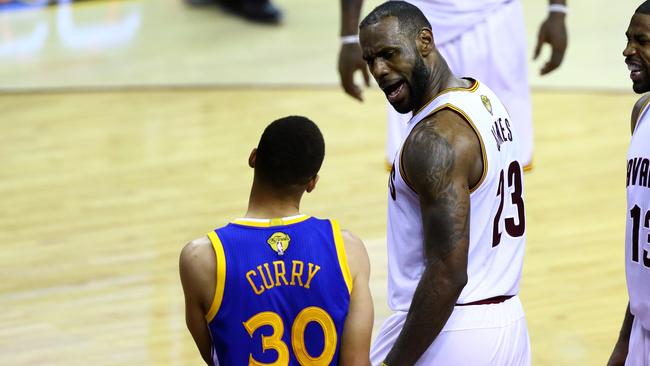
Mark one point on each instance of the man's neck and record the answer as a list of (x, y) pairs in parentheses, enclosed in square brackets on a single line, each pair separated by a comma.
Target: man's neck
[(441, 78), (263, 204)]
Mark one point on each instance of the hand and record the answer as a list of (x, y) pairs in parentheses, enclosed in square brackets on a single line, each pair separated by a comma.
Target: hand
[(619, 354), (553, 32), (350, 60)]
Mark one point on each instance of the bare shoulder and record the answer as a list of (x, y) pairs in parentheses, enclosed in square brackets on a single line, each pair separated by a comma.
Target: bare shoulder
[(440, 148), (356, 252), (198, 257), (197, 266), (638, 107)]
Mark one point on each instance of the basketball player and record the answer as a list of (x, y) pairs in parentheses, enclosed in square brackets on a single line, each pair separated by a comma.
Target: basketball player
[(277, 286), (484, 39), (633, 345), (453, 277)]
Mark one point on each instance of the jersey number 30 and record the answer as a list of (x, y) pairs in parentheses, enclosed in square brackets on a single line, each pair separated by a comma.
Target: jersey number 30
[(274, 341), (513, 228)]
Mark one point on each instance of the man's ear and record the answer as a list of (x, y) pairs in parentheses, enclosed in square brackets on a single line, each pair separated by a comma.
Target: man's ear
[(312, 184), (424, 42), (252, 157)]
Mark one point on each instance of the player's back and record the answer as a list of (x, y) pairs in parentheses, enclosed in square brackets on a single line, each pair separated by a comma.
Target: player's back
[(283, 292)]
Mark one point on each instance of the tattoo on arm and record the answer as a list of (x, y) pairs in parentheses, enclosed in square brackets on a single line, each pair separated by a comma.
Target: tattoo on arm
[(431, 171), (431, 166)]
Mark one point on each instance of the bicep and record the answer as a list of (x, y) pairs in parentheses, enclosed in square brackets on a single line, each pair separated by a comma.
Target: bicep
[(438, 165), (197, 269)]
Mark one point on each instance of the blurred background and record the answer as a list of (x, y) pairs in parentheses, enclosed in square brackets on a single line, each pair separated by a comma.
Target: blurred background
[(125, 131)]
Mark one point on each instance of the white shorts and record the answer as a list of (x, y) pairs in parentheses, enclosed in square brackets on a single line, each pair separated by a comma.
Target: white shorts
[(494, 52), (638, 352), (474, 335)]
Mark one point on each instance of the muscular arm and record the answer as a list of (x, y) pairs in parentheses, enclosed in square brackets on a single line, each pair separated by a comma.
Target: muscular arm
[(355, 341), (197, 267), (439, 161), (619, 354)]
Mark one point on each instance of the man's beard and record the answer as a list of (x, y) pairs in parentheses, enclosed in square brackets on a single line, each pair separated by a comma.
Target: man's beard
[(419, 82)]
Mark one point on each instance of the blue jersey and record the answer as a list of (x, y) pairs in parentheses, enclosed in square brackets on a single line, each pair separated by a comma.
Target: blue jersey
[(282, 293)]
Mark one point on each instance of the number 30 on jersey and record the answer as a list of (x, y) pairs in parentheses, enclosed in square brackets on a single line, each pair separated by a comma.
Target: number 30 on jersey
[(274, 341)]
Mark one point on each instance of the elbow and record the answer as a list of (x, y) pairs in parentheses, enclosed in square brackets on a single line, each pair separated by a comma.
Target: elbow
[(455, 281), (459, 281)]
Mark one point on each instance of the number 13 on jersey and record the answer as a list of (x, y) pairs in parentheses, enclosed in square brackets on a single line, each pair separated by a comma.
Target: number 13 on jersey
[(636, 216)]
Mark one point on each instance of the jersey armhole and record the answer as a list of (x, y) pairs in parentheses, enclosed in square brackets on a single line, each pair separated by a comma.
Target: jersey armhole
[(340, 253), (220, 274), (469, 121)]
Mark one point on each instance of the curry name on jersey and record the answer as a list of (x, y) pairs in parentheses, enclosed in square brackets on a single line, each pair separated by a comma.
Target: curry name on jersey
[(282, 293)]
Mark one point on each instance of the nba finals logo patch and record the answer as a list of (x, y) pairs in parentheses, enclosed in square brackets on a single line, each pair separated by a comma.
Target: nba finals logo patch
[(279, 242), (486, 103)]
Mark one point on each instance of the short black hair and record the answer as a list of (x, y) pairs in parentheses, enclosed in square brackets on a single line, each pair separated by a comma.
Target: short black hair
[(290, 152), (410, 18), (644, 8)]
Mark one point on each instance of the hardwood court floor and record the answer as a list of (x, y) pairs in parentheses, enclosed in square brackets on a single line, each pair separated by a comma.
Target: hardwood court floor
[(100, 191)]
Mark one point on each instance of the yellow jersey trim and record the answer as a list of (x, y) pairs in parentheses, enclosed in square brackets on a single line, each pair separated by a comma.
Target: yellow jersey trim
[(280, 221), (529, 167), (340, 252), (220, 276), (480, 139), (471, 89), (476, 131)]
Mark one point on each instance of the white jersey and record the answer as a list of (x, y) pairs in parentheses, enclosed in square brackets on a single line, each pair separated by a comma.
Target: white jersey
[(637, 233), (497, 219), (450, 18)]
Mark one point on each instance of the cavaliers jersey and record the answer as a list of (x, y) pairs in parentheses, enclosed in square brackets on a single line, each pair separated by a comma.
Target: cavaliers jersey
[(282, 292), (637, 232), (497, 219)]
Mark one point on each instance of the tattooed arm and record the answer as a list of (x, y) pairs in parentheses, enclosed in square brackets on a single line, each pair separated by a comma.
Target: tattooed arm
[(441, 161)]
